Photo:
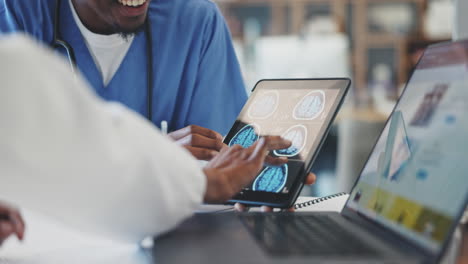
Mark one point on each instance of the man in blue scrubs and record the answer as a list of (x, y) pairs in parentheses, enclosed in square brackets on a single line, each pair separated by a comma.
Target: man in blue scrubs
[(196, 76)]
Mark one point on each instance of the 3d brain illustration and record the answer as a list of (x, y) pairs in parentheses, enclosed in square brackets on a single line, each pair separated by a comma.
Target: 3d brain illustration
[(264, 106), (271, 179), (298, 136), (245, 137), (311, 106)]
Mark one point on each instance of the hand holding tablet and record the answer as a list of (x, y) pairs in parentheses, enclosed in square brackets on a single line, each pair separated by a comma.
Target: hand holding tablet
[(299, 110)]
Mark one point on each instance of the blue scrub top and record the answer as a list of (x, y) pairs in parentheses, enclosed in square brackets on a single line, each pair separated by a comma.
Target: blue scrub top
[(196, 75)]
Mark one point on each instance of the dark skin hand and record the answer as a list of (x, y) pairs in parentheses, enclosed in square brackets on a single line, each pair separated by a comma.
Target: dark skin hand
[(11, 223), (234, 167), (203, 143)]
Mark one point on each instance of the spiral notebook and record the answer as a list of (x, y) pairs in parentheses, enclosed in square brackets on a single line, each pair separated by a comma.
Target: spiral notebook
[(330, 203)]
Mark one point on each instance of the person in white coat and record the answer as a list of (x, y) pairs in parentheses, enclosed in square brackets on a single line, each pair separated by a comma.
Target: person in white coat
[(98, 166)]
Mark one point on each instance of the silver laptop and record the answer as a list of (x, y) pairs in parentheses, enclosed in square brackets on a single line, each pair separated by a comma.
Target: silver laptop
[(403, 208)]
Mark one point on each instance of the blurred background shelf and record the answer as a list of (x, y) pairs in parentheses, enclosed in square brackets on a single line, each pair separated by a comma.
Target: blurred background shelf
[(378, 31), (374, 42)]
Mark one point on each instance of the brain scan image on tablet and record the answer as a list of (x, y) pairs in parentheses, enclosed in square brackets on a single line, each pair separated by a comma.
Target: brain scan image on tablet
[(298, 110), (264, 106), (297, 135), (271, 179), (246, 137), (311, 106)]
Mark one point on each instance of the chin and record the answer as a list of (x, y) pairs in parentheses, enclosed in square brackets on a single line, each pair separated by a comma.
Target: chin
[(129, 27)]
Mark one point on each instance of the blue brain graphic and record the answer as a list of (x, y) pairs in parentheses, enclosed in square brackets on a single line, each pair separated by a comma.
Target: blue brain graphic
[(272, 179), (291, 151), (246, 137)]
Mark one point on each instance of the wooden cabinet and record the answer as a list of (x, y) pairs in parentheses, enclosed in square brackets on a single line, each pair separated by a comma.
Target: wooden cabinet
[(365, 40)]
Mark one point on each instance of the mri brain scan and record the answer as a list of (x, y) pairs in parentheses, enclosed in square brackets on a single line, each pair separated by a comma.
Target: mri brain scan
[(245, 137), (311, 106), (271, 179), (264, 105), (298, 136)]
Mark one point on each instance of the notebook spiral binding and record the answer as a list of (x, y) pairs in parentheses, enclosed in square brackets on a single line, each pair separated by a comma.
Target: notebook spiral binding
[(318, 200)]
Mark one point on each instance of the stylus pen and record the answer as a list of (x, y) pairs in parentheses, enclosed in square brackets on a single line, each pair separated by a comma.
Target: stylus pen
[(164, 127)]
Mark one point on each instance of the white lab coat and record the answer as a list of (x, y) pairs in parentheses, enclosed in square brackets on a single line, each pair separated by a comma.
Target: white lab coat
[(94, 165)]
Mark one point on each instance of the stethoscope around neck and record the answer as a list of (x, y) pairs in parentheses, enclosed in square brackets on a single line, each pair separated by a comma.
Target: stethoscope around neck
[(59, 43)]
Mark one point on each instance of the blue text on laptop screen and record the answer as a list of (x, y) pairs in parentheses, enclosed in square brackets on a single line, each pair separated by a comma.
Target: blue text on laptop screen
[(415, 181)]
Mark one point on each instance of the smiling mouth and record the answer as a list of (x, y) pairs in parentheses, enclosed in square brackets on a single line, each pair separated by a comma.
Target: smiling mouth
[(132, 3)]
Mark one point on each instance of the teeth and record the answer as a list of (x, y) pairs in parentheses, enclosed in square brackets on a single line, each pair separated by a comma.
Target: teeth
[(133, 3)]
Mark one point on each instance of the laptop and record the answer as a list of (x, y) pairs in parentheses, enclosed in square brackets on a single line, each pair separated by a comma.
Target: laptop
[(403, 208)]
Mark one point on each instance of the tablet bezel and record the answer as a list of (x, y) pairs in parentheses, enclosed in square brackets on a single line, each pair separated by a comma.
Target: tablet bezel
[(280, 200)]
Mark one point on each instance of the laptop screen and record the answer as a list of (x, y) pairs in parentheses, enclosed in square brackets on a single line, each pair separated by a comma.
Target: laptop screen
[(415, 181)]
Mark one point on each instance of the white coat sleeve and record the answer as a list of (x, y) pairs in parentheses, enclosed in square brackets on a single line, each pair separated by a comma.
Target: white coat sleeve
[(96, 166)]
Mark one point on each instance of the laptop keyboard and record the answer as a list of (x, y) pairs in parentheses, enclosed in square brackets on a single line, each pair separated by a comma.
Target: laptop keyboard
[(296, 234)]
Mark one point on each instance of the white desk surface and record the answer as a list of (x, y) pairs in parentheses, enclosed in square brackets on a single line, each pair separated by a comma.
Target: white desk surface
[(47, 241)]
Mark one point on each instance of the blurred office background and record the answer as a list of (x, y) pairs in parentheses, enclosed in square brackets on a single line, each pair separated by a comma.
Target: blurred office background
[(374, 42)]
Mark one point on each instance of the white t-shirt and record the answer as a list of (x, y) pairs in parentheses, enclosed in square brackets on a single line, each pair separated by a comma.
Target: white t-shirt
[(108, 51)]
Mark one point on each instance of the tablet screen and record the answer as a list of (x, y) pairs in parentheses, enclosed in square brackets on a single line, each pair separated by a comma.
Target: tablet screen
[(297, 110)]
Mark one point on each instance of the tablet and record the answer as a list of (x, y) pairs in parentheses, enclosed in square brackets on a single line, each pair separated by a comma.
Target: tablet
[(300, 110)]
